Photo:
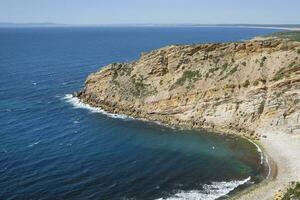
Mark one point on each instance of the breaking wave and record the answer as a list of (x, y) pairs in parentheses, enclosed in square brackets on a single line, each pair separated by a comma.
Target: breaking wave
[(211, 191), (75, 101), (259, 151)]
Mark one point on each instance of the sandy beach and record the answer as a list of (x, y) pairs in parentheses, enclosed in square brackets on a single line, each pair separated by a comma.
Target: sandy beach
[(284, 150), (282, 154)]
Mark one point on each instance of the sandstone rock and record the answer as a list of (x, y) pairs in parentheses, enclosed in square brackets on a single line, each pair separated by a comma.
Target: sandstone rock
[(204, 86)]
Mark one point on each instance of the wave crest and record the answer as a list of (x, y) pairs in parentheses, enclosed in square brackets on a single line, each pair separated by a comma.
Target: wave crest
[(75, 101), (211, 191)]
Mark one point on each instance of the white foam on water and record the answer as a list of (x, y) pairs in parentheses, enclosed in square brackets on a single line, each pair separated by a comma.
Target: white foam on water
[(211, 191), (259, 151), (75, 101), (33, 144), (263, 158)]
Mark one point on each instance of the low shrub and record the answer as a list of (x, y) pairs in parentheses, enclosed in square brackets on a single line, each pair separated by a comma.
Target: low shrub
[(293, 192), (188, 75), (246, 83)]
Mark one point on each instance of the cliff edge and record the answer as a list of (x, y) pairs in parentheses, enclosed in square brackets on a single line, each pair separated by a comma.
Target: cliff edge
[(232, 87)]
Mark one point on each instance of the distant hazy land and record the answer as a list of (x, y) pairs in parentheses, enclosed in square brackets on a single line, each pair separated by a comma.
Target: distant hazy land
[(50, 24)]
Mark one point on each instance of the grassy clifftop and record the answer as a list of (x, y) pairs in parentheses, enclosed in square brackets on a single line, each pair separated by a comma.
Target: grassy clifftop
[(291, 35)]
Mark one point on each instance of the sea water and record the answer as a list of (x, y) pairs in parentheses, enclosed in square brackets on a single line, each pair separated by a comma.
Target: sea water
[(54, 147)]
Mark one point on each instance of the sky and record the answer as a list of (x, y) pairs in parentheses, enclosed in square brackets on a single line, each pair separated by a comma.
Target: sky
[(150, 11)]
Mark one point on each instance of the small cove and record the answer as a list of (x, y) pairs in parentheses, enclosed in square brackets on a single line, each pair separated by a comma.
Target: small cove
[(49, 148)]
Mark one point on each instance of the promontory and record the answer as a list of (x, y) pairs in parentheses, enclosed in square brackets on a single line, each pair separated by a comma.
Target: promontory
[(249, 88)]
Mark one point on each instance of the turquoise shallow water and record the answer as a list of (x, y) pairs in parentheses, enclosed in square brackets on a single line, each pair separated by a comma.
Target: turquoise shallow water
[(51, 147)]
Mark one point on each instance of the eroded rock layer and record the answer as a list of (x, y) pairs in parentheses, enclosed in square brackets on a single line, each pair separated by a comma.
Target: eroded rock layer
[(234, 87)]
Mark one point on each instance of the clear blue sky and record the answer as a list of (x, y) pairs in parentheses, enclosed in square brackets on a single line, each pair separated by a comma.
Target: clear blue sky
[(150, 11)]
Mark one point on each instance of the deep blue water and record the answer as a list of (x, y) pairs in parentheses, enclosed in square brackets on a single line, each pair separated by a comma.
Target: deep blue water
[(49, 149)]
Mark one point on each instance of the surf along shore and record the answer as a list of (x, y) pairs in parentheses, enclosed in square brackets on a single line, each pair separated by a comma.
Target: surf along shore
[(282, 151), (251, 89), (269, 167)]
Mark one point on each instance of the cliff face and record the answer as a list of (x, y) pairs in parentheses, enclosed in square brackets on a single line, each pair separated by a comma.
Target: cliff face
[(235, 87)]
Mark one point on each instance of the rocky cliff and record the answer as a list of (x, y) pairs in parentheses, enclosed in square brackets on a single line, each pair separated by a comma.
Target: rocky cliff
[(231, 87)]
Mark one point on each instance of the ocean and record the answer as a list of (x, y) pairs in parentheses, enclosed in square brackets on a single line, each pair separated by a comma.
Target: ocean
[(54, 147)]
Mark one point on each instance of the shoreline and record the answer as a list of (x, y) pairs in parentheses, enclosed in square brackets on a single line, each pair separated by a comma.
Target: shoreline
[(280, 174), (282, 150), (266, 160), (256, 27), (271, 176), (238, 105)]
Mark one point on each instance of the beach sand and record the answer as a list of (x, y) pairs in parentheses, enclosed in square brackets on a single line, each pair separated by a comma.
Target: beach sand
[(283, 152)]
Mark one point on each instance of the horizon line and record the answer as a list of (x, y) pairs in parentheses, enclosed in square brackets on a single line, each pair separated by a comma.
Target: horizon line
[(288, 27), (150, 23)]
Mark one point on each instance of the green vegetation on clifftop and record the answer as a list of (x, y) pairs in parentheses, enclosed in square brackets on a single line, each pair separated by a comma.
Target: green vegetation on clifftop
[(292, 35), (292, 192)]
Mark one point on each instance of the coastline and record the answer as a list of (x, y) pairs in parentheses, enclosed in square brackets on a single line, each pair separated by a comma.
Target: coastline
[(280, 151), (266, 159), (252, 191), (283, 166), (259, 27), (283, 149), (243, 106)]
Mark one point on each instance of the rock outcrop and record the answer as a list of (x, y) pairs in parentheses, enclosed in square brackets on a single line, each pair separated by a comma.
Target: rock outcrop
[(231, 87)]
